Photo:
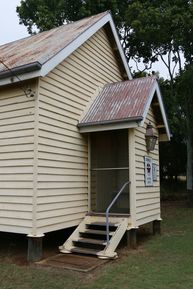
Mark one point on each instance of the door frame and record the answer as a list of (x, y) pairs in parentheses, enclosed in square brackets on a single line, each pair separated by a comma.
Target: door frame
[(89, 173)]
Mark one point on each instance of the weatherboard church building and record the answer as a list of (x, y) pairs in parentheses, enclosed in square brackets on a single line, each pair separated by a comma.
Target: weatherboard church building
[(79, 139)]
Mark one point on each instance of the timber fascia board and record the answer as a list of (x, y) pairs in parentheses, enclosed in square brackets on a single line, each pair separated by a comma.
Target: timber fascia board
[(155, 88), (109, 126)]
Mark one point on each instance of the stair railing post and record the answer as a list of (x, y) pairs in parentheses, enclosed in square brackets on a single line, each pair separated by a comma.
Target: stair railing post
[(109, 207)]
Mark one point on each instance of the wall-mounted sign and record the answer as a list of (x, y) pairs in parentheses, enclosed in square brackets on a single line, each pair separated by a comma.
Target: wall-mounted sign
[(154, 171), (148, 171)]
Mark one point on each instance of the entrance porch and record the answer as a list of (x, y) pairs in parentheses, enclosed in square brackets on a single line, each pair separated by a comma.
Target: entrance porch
[(109, 171)]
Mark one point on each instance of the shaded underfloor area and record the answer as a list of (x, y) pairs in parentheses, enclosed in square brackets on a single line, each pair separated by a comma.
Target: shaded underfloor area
[(13, 247)]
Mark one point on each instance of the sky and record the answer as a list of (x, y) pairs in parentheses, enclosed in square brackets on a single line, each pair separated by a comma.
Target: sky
[(11, 29), (9, 22)]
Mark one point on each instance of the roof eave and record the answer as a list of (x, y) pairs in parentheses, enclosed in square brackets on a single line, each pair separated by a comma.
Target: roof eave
[(110, 125), (13, 75), (14, 78), (165, 120), (155, 88)]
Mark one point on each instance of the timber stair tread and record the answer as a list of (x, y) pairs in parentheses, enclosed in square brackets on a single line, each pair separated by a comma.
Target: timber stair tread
[(90, 241), (124, 215), (87, 251), (90, 238), (95, 232), (102, 224)]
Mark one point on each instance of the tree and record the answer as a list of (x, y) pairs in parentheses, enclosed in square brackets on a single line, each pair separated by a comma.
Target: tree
[(165, 29), (46, 14), (173, 153), (149, 30), (159, 30), (185, 94)]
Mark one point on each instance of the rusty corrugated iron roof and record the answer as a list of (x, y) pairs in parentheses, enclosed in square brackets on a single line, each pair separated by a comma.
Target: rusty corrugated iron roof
[(43, 46), (120, 101)]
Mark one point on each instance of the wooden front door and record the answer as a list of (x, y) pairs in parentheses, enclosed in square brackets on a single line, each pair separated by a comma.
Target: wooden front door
[(109, 170)]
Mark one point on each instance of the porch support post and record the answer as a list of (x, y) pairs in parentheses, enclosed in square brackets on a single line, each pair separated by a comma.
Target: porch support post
[(132, 238), (89, 173), (35, 248), (157, 227)]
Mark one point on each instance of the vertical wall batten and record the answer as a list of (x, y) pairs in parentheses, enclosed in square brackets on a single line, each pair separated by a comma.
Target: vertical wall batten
[(132, 176), (35, 163), (89, 173)]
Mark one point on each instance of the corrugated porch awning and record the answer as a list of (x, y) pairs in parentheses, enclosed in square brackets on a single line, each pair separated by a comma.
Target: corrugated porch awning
[(123, 105)]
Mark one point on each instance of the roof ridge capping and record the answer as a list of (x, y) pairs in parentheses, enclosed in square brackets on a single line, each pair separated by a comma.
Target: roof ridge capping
[(53, 29), (50, 49), (144, 78)]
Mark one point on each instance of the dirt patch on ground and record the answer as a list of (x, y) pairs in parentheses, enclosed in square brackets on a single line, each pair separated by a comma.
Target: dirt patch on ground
[(72, 262)]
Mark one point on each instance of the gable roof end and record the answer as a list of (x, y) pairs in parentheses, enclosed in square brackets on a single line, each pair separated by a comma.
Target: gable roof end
[(44, 51), (123, 105)]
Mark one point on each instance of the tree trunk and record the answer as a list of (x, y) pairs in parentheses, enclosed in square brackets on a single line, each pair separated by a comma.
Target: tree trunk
[(189, 158)]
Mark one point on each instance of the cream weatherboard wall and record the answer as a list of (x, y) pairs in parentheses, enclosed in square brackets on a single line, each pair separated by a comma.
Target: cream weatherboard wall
[(62, 179), (145, 205), (16, 159), (43, 157)]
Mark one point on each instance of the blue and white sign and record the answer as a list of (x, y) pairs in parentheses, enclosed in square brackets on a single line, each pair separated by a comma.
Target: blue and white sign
[(148, 172)]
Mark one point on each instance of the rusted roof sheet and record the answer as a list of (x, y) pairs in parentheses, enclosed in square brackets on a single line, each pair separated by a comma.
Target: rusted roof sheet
[(121, 101), (42, 47)]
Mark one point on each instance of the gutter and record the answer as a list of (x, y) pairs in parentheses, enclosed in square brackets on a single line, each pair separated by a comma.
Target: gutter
[(106, 122), (20, 70)]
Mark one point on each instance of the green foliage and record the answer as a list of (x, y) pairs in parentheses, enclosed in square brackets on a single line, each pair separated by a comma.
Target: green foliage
[(47, 14), (184, 85), (185, 91), (158, 29), (176, 156), (173, 154), (148, 29)]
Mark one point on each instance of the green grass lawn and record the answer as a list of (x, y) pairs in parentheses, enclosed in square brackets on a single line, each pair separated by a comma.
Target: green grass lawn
[(161, 262)]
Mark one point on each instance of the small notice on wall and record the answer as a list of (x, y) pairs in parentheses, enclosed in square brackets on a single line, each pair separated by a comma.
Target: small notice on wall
[(148, 171), (154, 171)]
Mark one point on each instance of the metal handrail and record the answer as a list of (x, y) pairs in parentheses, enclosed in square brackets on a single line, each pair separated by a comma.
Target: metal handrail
[(109, 207)]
